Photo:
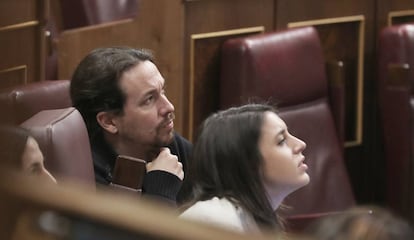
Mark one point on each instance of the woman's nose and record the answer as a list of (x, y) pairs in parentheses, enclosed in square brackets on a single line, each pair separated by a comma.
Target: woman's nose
[(49, 176), (300, 145)]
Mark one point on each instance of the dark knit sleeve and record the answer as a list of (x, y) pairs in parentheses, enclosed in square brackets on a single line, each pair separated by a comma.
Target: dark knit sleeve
[(161, 185), (182, 148)]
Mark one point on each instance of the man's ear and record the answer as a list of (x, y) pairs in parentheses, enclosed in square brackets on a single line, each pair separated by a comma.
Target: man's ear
[(106, 121)]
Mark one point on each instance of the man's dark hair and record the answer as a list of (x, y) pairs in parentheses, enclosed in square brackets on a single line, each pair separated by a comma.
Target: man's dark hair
[(95, 83)]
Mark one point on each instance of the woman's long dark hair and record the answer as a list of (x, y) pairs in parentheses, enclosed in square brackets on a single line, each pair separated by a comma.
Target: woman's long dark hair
[(227, 161)]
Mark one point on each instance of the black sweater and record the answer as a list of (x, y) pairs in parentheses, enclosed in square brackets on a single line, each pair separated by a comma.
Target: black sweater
[(157, 184)]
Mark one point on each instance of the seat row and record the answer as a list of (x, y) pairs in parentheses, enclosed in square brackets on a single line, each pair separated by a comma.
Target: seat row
[(286, 66)]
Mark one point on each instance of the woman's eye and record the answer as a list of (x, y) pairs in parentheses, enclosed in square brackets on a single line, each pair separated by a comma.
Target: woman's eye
[(35, 169), (282, 141)]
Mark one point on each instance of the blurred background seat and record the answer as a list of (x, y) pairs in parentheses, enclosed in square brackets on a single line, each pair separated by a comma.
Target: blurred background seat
[(91, 12), (63, 139), (21, 102), (71, 14), (45, 109), (288, 68), (396, 105)]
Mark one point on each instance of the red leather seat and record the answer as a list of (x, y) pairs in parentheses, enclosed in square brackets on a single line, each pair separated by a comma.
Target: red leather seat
[(63, 139), (45, 109), (69, 14), (90, 12), (396, 105), (288, 68), (23, 101)]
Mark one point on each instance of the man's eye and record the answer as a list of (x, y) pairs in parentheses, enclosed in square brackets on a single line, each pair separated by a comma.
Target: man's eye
[(149, 100)]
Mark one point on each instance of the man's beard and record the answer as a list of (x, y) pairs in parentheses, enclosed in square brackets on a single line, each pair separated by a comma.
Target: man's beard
[(160, 142)]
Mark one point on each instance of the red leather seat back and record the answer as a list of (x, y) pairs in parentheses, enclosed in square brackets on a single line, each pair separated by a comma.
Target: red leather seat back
[(280, 66), (288, 68), (90, 12), (396, 104), (396, 46), (64, 141), (21, 102), (69, 14)]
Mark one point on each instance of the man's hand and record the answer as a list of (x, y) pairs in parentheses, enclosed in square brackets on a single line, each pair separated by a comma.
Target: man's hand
[(165, 161)]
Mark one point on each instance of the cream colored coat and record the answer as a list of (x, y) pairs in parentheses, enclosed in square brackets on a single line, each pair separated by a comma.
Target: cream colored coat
[(221, 213)]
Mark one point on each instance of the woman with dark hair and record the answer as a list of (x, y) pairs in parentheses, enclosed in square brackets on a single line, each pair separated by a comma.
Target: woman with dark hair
[(245, 162), (20, 151)]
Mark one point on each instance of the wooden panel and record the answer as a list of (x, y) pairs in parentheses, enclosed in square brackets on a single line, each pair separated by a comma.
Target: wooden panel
[(218, 15), (22, 40), (211, 18), (303, 10), (20, 46), (400, 9), (13, 76), (18, 11), (73, 45), (400, 17)]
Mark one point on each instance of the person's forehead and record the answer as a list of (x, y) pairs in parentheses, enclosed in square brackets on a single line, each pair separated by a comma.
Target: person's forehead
[(271, 118), (142, 76), (272, 124)]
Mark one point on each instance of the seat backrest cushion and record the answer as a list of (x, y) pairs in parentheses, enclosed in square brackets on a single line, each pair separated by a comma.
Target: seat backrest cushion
[(396, 46), (396, 105), (91, 12), (286, 67), (64, 141), (21, 102), (107, 11)]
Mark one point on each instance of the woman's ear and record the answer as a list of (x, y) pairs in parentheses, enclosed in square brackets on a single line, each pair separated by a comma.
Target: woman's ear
[(106, 121)]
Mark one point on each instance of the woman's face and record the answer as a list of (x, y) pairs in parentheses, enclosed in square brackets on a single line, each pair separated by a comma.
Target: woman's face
[(32, 161), (284, 170)]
